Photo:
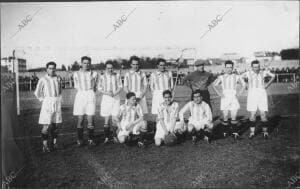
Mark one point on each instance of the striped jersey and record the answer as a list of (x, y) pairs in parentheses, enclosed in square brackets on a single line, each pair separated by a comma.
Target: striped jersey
[(135, 81), (199, 112), (130, 113), (229, 81), (85, 80), (110, 82), (48, 87), (257, 80), (161, 80), (168, 113)]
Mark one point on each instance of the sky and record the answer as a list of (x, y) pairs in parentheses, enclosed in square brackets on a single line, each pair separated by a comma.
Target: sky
[(63, 32)]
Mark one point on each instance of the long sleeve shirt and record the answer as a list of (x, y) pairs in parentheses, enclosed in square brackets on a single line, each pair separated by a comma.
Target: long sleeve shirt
[(198, 80), (257, 80), (110, 82)]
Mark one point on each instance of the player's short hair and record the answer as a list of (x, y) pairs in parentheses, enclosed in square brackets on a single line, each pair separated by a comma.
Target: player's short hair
[(196, 92), (51, 63), (254, 62), (161, 60), (167, 92), (109, 62), (86, 58), (228, 62), (129, 95), (134, 58)]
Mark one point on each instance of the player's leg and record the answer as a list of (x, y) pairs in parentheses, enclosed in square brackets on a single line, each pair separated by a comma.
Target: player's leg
[(106, 129), (192, 132), (80, 119), (91, 127), (225, 123), (53, 128), (139, 129), (234, 124), (45, 137), (159, 134), (263, 108), (114, 128), (207, 131), (264, 125), (252, 122)]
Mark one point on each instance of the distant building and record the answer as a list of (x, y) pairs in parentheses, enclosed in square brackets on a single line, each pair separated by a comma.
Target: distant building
[(265, 56), (235, 57), (8, 62)]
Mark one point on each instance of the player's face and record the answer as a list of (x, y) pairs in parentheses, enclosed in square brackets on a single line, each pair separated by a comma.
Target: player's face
[(167, 99), (197, 98), (109, 68), (161, 66), (85, 64), (255, 67), (51, 70), (228, 68), (135, 65), (132, 101)]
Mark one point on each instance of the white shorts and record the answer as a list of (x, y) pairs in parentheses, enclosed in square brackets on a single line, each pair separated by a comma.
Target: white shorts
[(135, 130), (257, 99), (109, 106), (200, 124), (230, 101), (51, 110), (85, 103), (160, 133), (157, 99)]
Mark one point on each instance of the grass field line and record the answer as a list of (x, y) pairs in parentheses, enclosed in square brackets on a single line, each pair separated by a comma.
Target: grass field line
[(105, 177)]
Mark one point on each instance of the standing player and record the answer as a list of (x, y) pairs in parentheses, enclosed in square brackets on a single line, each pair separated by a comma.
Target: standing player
[(135, 81), (257, 96), (200, 122), (167, 115), (130, 121), (200, 79), (48, 91), (85, 81), (110, 86), (229, 101), (160, 81)]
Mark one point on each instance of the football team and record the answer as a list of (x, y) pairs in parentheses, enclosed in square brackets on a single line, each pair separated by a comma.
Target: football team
[(126, 124)]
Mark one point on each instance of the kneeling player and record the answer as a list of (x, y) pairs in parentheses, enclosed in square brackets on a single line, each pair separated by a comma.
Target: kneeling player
[(229, 101), (130, 121), (200, 122), (167, 115), (48, 91)]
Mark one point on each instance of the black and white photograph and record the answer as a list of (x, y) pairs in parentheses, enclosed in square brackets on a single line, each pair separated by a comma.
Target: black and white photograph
[(150, 94)]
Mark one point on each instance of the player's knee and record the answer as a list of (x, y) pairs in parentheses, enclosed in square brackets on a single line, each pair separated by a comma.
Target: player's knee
[(90, 126), (158, 142), (121, 139), (190, 128), (45, 129)]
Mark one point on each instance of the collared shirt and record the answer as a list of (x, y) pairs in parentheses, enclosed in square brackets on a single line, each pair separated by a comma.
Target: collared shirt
[(198, 80), (48, 87), (130, 113), (199, 112), (161, 80), (85, 80), (135, 81), (110, 82), (256, 80), (168, 112), (229, 81)]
